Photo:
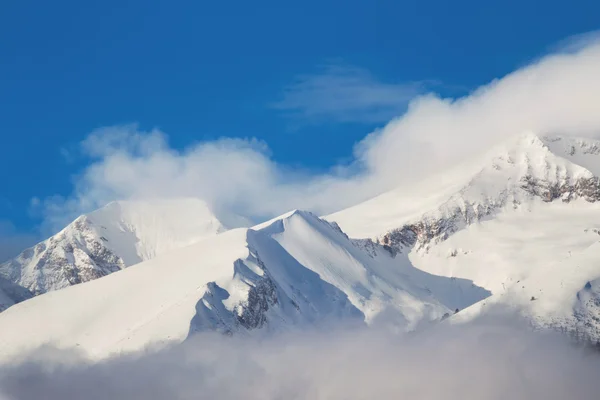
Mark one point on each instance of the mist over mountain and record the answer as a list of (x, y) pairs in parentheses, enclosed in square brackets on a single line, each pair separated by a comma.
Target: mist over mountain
[(454, 254)]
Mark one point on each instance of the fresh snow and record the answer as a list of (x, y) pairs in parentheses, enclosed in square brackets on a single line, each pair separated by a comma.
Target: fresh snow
[(297, 271), (516, 228), (518, 225), (116, 236), (548, 252), (490, 181), (127, 309)]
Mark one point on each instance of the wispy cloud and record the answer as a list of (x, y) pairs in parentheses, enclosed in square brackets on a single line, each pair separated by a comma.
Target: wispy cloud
[(343, 93)]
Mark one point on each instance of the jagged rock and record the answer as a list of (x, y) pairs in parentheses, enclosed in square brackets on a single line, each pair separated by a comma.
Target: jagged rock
[(260, 297), (431, 229), (63, 261), (586, 188), (107, 240), (367, 245)]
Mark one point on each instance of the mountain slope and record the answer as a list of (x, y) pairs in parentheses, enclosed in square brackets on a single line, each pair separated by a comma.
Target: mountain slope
[(375, 282), (116, 236), (512, 175), (517, 228), (521, 222), (295, 271), (544, 265)]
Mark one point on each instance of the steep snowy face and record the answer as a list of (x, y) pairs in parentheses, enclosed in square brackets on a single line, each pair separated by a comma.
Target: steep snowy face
[(373, 281), (296, 271), (543, 262), (581, 151), (302, 269), (512, 175), (141, 230), (109, 239), (523, 224)]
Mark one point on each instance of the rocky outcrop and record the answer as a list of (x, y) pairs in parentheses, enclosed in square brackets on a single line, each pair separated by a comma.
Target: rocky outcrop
[(262, 294), (250, 313), (585, 188), (436, 227), (366, 245), (109, 239), (261, 297), (270, 289), (74, 256)]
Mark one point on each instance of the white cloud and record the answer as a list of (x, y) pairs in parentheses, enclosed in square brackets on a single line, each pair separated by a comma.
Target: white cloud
[(492, 361), (126, 139), (559, 93), (343, 93), (577, 42)]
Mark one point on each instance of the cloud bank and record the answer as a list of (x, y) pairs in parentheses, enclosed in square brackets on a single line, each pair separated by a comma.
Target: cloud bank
[(558, 94), (491, 360)]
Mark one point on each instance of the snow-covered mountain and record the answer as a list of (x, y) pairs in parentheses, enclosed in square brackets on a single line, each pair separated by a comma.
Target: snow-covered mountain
[(518, 228), (523, 170), (116, 236), (297, 270), (521, 222)]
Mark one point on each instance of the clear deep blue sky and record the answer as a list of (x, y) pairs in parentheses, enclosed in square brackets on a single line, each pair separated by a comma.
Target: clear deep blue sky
[(200, 70)]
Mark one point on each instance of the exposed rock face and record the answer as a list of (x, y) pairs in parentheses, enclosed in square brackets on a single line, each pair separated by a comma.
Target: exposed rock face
[(526, 169), (432, 229), (367, 245), (271, 289), (73, 256), (260, 298), (585, 188), (449, 220), (251, 311), (107, 240)]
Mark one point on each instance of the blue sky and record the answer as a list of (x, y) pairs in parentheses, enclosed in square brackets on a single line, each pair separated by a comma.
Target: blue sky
[(308, 78)]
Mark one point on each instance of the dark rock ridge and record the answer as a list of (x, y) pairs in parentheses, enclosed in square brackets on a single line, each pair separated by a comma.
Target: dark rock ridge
[(261, 297), (270, 290), (436, 229), (69, 258), (585, 188), (211, 313)]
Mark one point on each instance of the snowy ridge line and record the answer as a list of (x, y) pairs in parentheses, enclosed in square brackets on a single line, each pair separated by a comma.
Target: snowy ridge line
[(526, 170), (522, 224), (117, 236), (297, 272), (432, 229), (519, 231)]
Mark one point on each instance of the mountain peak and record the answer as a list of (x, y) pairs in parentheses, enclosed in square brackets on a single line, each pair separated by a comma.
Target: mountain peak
[(525, 169), (116, 236), (529, 138)]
